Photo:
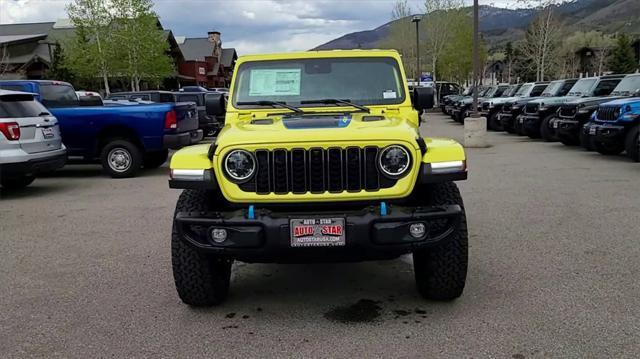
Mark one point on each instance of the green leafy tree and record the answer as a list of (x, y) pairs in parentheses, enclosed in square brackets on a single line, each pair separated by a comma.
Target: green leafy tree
[(140, 43), (456, 60), (92, 54), (401, 36), (58, 69), (622, 58)]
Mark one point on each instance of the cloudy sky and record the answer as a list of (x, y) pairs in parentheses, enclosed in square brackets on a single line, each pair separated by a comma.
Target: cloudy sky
[(250, 26)]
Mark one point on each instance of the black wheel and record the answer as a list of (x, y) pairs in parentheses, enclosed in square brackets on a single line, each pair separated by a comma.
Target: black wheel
[(17, 182), (569, 140), (608, 148), (547, 132), (632, 143), (494, 124), (586, 141), (155, 159), (121, 159), (441, 271), (200, 279)]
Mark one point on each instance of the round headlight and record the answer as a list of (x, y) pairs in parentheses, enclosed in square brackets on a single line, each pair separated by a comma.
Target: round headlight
[(239, 165), (394, 161)]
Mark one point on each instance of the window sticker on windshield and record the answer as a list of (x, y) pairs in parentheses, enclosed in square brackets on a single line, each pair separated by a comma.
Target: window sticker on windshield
[(274, 82), (389, 94)]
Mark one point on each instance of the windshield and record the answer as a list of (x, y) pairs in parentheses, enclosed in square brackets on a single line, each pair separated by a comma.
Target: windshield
[(524, 90), (302, 82), (552, 88), (468, 91), (628, 86), (509, 92), (490, 92), (582, 87)]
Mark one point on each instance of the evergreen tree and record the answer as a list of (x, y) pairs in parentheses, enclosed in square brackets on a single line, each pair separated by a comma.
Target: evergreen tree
[(58, 69), (622, 58)]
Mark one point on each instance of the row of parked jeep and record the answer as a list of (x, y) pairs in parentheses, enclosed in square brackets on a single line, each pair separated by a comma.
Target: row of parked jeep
[(599, 113)]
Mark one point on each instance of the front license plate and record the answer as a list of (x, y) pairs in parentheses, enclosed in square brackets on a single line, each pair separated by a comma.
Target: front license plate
[(555, 124), (47, 132), (592, 131), (317, 232)]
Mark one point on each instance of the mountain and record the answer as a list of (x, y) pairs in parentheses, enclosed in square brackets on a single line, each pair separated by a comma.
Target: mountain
[(499, 25)]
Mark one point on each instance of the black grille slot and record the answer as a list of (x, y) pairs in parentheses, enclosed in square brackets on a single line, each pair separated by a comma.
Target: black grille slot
[(608, 113), (506, 108), (334, 169), (317, 170), (485, 106), (262, 177), (371, 180), (353, 169), (298, 172), (280, 177), (531, 108)]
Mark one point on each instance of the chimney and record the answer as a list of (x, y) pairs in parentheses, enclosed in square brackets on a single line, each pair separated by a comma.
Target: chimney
[(214, 38)]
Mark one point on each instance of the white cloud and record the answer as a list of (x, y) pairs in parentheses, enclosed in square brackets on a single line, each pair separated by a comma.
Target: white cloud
[(249, 25)]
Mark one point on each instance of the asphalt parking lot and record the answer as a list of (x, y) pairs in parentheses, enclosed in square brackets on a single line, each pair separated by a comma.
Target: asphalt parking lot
[(554, 267)]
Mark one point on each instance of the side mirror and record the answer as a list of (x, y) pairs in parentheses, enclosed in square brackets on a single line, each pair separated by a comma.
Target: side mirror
[(423, 98), (215, 104), (90, 101)]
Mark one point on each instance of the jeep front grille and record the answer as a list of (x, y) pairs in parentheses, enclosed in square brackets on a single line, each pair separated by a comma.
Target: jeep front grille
[(568, 111), (531, 108), (608, 113), (317, 170)]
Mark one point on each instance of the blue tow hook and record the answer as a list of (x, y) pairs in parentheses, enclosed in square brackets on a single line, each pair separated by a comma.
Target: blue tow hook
[(251, 213), (383, 208)]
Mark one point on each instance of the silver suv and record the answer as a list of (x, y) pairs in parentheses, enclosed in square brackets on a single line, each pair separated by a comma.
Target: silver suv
[(30, 141)]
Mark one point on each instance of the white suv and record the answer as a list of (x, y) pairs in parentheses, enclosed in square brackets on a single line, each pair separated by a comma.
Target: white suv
[(30, 141)]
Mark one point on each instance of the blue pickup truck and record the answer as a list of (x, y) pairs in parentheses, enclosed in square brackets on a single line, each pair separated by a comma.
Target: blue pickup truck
[(122, 138)]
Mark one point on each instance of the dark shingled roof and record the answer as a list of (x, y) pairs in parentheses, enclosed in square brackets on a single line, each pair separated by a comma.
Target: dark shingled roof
[(26, 29), (197, 48)]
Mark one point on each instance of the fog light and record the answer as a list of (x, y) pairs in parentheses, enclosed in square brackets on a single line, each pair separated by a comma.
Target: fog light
[(417, 230), (219, 235)]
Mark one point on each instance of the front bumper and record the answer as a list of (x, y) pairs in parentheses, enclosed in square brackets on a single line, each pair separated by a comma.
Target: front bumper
[(34, 166), (182, 139), (606, 133), (531, 123), (370, 233)]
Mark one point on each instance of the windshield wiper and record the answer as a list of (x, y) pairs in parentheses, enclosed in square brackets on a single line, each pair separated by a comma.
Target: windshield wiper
[(334, 101), (272, 104), (43, 113)]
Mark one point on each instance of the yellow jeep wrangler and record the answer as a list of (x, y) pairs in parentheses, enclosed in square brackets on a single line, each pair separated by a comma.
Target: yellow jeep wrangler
[(320, 160)]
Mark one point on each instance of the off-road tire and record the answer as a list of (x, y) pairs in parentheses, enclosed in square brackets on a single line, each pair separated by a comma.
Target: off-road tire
[(135, 157), (155, 159), (17, 182), (608, 149), (586, 141), (547, 133), (441, 271), (201, 279), (569, 140), (494, 124), (632, 143)]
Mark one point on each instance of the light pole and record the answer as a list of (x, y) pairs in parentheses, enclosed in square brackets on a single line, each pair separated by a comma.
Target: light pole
[(416, 19), (476, 60)]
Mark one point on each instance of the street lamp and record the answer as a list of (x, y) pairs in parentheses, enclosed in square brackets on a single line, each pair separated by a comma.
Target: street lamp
[(476, 60), (416, 19)]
